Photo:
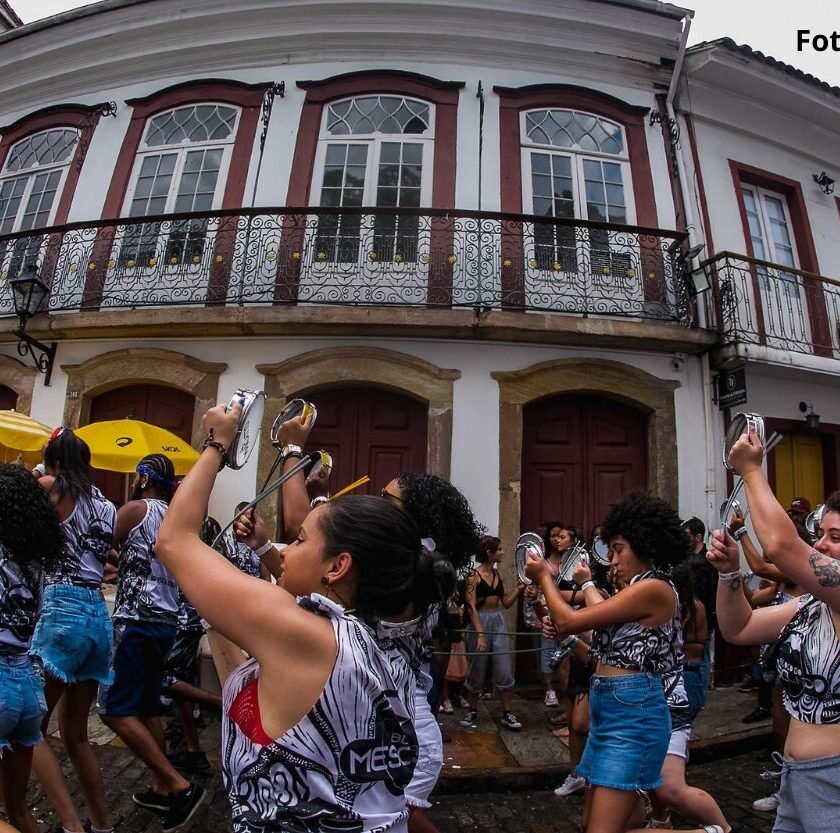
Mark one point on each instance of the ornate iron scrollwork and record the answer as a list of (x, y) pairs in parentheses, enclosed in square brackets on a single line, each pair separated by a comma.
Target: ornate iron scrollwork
[(267, 104), (102, 110)]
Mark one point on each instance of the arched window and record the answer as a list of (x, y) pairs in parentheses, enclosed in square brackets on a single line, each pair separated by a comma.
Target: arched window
[(377, 151), (181, 166), (575, 166)]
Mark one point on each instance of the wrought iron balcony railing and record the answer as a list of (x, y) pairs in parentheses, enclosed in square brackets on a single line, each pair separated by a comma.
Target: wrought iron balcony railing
[(369, 256), (757, 302)]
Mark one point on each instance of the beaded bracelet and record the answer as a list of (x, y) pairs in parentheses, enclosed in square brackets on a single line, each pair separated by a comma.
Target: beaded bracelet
[(209, 442)]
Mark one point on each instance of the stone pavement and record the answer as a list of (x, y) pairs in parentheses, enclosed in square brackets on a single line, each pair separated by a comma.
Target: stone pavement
[(518, 769)]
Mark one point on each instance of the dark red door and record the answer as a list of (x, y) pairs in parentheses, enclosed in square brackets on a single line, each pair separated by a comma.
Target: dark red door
[(580, 455), (369, 431), (8, 398), (167, 408)]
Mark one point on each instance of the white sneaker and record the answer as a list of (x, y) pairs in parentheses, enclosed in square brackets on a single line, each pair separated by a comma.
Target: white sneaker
[(551, 699), (572, 784), (767, 805)]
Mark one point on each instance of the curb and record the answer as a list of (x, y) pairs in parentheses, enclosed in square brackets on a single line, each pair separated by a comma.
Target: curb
[(522, 779)]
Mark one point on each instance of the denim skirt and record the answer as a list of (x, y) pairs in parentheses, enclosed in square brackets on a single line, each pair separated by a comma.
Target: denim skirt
[(630, 728)]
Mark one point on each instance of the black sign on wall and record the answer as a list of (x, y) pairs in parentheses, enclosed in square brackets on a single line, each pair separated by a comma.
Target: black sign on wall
[(732, 388)]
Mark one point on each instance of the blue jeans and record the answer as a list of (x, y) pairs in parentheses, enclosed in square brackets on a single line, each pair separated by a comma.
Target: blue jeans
[(73, 637), (22, 703), (630, 729)]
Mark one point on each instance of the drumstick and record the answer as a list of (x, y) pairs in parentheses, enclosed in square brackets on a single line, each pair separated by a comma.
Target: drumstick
[(354, 485)]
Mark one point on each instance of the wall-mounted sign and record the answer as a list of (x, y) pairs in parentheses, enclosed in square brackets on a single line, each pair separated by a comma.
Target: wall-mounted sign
[(732, 388)]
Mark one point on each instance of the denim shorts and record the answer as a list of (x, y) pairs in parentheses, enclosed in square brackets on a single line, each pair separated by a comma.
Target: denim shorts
[(630, 728), (22, 703), (72, 639), (695, 688), (140, 651), (809, 800)]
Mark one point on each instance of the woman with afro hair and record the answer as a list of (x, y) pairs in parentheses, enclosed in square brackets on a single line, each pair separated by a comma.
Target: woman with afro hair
[(30, 542), (637, 641)]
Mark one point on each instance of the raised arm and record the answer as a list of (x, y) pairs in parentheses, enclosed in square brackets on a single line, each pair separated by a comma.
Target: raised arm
[(295, 498), (815, 572), (739, 623), (754, 558), (256, 615)]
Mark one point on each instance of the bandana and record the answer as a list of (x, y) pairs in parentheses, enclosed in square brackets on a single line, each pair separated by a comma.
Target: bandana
[(142, 468)]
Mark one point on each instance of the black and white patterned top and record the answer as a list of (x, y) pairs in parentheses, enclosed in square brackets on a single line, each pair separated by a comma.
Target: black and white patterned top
[(240, 555), (146, 590), (20, 595), (635, 647), (345, 765), (88, 538), (808, 663)]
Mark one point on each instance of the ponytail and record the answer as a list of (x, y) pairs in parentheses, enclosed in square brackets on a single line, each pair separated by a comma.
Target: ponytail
[(68, 458)]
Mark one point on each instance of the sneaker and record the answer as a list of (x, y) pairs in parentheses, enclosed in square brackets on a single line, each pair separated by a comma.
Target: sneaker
[(191, 762), (757, 715), (462, 703), (88, 827), (470, 721), (551, 699), (712, 828), (509, 721), (152, 801), (572, 784), (748, 685), (767, 805), (182, 807), (446, 707)]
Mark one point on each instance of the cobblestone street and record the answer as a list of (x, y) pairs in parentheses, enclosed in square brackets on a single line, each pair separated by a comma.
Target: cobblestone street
[(734, 782)]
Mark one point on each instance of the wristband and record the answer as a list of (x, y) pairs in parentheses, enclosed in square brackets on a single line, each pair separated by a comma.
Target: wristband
[(733, 576), (291, 450), (209, 442), (738, 534), (261, 551), (587, 583), (317, 501)]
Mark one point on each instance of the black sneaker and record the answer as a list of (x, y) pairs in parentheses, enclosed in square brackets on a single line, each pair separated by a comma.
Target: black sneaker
[(182, 807), (191, 762), (152, 801), (757, 715), (470, 721), (509, 721)]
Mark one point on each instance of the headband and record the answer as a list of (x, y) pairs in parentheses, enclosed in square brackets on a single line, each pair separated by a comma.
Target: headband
[(144, 468)]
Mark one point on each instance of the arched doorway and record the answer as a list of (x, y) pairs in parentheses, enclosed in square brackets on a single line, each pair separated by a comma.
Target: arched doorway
[(8, 398), (580, 454), (369, 431), (165, 407)]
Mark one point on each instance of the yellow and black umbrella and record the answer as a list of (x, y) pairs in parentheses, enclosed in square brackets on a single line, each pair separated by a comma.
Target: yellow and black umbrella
[(21, 436), (119, 444)]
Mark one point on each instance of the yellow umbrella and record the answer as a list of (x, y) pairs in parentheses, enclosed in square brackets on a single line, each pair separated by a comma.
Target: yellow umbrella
[(21, 435), (119, 444)]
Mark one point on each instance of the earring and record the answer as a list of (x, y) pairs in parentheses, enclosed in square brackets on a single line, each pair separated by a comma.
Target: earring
[(325, 581)]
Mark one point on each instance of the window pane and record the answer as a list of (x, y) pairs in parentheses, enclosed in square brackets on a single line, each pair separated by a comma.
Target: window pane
[(47, 148), (378, 114), (540, 163), (196, 123), (575, 130)]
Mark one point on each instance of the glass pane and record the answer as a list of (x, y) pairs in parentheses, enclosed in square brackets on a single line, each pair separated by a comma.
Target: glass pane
[(574, 129), (196, 123), (540, 163), (378, 114), (47, 148)]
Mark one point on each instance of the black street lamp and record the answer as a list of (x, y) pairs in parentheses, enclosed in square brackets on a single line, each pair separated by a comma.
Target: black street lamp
[(28, 291)]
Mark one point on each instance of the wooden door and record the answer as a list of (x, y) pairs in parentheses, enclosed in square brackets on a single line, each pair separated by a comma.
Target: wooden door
[(369, 431), (799, 469), (8, 398), (580, 455), (167, 408)]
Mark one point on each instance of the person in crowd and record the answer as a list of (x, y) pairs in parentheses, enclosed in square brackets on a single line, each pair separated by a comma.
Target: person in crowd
[(302, 757), (800, 508), (695, 630), (637, 641), (705, 588), (806, 652), (485, 595), (72, 640), (30, 543), (145, 625)]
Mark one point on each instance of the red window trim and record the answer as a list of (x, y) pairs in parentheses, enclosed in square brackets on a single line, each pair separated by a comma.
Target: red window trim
[(791, 190), (79, 117)]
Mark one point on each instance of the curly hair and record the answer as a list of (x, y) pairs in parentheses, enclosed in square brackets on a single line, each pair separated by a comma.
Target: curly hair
[(29, 527), (651, 527), (441, 512)]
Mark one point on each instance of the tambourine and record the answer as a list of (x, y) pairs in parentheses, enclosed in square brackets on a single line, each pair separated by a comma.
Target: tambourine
[(601, 551), (248, 427), (741, 424), (324, 462), (295, 408), (574, 557), (814, 521), (728, 510), (527, 542)]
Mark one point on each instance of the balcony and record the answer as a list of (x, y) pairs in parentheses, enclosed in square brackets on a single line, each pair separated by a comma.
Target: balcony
[(768, 305), (354, 257)]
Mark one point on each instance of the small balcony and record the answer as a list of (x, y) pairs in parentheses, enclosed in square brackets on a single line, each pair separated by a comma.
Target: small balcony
[(356, 257), (754, 302)]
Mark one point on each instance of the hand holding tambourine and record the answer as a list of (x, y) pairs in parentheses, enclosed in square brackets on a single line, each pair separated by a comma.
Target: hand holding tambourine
[(295, 431), (723, 554), (221, 422), (746, 454), (581, 574), (535, 566)]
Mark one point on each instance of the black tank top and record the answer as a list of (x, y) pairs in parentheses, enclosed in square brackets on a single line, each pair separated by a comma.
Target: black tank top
[(484, 591)]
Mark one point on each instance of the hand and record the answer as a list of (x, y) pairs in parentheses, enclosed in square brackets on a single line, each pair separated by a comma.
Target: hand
[(736, 522), (481, 644), (250, 529), (746, 454), (295, 431), (581, 574), (521, 588), (222, 422), (535, 567), (318, 483), (723, 554), (548, 629), (531, 591)]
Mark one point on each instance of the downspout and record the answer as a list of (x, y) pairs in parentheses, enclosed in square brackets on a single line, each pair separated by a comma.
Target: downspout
[(693, 229)]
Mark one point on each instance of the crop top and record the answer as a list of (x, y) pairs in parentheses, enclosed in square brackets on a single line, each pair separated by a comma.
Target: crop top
[(808, 663), (484, 591), (635, 647)]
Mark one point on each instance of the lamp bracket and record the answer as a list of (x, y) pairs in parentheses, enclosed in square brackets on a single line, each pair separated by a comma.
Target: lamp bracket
[(44, 362)]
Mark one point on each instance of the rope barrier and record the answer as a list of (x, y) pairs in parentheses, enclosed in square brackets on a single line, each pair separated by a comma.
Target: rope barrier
[(491, 653)]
